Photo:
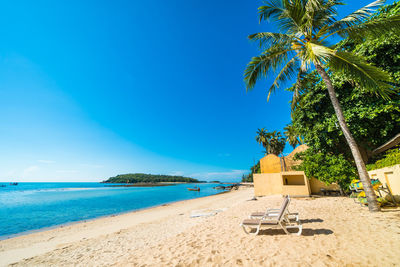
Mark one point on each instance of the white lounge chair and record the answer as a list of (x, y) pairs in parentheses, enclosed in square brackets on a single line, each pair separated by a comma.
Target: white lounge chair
[(281, 220), (274, 212)]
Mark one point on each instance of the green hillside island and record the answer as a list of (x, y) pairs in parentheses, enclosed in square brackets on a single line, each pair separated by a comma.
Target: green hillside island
[(141, 179)]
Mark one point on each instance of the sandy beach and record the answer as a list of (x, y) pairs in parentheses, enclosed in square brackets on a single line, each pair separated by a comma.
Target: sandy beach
[(337, 232)]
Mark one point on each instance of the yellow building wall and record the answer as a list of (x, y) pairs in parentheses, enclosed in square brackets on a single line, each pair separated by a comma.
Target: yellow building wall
[(273, 184), (290, 162), (295, 183), (267, 184), (270, 164), (295, 190), (316, 186), (389, 176)]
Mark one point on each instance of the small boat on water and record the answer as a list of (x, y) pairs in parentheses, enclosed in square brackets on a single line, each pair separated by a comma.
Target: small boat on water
[(13, 183), (194, 189), (220, 187)]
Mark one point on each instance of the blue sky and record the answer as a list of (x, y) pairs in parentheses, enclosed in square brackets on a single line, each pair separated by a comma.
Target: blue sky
[(91, 89)]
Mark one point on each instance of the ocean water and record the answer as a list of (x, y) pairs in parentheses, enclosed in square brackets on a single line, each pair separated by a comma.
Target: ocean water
[(32, 206)]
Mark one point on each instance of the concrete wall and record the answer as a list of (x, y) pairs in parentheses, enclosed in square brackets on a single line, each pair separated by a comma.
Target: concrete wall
[(295, 183), (270, 164), (267, 184), (290, 162), (274, 183), (295, 190), (317, 185), (389, 176)]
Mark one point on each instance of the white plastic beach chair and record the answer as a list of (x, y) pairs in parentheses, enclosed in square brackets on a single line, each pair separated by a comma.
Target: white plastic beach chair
[(274, 212), (279, 221)]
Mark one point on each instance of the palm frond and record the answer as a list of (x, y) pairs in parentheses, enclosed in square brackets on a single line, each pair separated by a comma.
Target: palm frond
[(317, 53), (361, 14), (271, 9), (355, 25), (287, 13), (261, 65), (366, 75), (271, 38), (325, 17), (373, 28), (286, 74)]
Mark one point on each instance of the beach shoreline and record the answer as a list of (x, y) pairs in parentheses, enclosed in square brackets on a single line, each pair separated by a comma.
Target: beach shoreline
[(6, 237), (168, 236), (9, 255)]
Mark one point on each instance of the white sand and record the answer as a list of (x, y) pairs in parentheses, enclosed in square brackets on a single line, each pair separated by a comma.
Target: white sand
[(337, 232)]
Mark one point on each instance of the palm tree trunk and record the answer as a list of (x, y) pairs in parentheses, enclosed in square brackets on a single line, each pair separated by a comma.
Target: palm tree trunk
[(362, 171)]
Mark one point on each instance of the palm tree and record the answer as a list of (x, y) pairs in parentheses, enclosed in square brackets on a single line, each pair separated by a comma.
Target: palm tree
[(291, 136), (302, 43), (273, 142), (261, 136)]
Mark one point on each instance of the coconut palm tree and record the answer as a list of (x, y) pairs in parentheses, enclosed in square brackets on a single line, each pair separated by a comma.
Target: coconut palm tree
[(302, 43), (273, 142), (261, 136), (291, 136)]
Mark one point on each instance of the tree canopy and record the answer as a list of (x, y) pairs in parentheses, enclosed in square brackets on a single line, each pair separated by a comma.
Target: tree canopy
[(371, 119), (148, 178), (273, 142), (292, 136)]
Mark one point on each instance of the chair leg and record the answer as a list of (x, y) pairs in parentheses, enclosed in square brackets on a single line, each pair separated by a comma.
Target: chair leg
[(285, 230), (299, 227), (249, 232), (244, 229), (300, 230)]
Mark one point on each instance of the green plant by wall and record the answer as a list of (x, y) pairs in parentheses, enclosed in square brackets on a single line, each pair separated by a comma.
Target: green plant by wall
[(326, 167), (392, 157)]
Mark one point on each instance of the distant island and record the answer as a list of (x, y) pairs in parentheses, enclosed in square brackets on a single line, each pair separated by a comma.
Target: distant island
[(142, 178)]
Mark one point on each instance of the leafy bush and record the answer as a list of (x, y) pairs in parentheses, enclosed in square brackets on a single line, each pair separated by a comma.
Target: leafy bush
[(392, 157), (326, 167)]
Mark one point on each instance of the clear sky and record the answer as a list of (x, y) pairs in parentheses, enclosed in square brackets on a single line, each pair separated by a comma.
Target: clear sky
[(91, 89)]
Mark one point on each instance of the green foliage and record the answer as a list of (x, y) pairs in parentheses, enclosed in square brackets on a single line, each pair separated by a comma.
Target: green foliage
[(392, 157), (382, 50), (307, 28), (273, 142), (148, 178), (292, 136), (326, 167), (371, 119)]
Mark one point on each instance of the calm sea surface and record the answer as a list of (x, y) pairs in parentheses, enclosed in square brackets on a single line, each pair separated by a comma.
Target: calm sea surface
[(31, 206)]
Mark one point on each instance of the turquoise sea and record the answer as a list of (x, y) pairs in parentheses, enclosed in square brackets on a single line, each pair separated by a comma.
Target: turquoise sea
[(32, 206)]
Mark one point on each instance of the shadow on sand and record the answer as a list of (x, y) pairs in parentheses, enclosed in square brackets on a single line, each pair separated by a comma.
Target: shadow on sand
[(306, 232), (394, 209), (311, 220)]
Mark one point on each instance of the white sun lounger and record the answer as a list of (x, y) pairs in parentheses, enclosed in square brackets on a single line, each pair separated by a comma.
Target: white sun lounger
[(274, 212), (281, 220)]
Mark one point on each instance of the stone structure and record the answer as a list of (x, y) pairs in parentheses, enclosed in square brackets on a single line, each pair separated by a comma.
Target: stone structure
[(279, 177)]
